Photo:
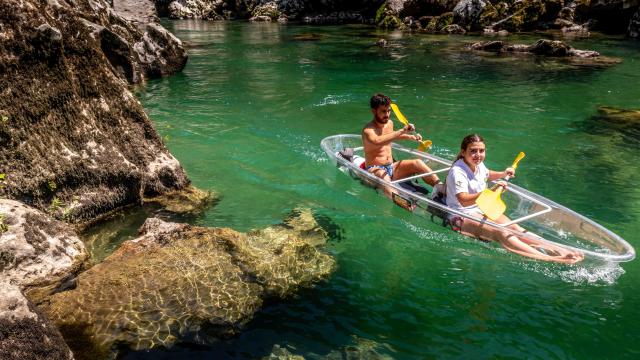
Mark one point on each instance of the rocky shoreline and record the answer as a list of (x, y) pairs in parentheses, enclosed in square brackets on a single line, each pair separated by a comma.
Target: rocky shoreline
[(573, 17), (76, 146)]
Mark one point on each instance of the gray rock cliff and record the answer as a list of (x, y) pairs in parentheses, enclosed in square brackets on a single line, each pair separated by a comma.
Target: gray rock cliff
[(74, 141)]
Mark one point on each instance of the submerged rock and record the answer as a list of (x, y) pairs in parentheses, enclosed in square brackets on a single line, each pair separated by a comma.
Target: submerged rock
[(619, 115), (177, 279)]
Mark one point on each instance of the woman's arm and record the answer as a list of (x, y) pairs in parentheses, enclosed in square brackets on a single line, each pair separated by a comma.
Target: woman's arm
[(466, 199), (495, 175)]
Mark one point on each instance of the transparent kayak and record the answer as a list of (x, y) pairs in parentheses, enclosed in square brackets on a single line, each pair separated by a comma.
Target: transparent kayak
[(544, 219)]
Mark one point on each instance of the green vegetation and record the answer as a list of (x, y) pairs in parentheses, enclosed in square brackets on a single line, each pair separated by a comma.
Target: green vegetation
[(55, 204), (2, 178), (5, 119), (3, 227), (52, 185)]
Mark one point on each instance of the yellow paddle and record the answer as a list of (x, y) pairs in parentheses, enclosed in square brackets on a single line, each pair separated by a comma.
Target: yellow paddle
[(489, 200), (424, 145)]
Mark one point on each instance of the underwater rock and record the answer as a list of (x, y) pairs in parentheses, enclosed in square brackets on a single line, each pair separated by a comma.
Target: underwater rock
[(176, 279), (76, 143), (36, 250), (362, 348), (24, 332), (619, 115), (281, 353), (187, 200)]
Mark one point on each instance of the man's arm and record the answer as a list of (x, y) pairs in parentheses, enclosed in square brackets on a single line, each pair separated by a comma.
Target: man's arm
[(380, 140)]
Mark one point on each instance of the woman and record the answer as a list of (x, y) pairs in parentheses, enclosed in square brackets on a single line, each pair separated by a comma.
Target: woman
[(466, 180)]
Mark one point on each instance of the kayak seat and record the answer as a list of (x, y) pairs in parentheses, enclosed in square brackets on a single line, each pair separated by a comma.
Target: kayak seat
[(413, 186)]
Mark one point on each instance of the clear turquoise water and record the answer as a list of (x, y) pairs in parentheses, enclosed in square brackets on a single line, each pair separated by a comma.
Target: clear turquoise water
[(245, 119)]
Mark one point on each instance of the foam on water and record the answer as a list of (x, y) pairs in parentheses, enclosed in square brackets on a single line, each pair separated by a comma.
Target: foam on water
[(587, 273), (334, 100)]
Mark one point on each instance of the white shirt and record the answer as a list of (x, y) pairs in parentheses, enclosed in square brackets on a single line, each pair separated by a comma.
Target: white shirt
[(461, 179)]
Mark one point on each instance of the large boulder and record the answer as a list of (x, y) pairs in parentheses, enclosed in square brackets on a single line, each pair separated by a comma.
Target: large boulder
[(178, 280), (24, 332), (37, 255), (36, 250), (467, 12), (75, 141), (195, 9)]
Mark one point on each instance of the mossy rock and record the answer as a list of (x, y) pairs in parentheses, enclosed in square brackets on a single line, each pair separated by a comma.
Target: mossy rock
[(391, 22), (438, 23), (488, 16), (526, 16)]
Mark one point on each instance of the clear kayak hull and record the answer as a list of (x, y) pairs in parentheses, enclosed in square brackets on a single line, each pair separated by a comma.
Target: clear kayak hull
[(544, 219)]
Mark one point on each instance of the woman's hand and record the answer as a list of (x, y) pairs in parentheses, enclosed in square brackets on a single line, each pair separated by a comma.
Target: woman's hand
[(501, 183), (418, 137), (510, 172)]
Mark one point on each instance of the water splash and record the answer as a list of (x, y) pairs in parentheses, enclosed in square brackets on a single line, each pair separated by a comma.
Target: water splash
[(334, 100), (588, 273)]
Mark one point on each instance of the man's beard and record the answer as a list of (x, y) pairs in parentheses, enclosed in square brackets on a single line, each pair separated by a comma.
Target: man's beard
[(381, 120)]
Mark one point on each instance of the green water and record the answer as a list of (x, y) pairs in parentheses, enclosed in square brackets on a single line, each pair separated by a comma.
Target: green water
[(245, 119)]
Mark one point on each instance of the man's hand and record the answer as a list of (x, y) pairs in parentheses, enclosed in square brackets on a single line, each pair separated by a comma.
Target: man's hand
[(408, 128), (418, 137)]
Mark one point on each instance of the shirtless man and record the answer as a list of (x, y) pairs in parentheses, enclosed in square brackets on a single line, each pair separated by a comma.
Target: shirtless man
[(377, 137)]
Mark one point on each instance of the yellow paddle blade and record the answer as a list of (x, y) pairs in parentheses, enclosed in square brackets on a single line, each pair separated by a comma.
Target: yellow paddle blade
[(425, 145), (491, 204), (517, 160), (399, 115)]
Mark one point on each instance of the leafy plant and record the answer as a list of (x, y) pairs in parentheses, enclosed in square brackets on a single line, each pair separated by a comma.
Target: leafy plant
[(2, 178), (55, 204), (52, 185), (5, 119), (3, 227)]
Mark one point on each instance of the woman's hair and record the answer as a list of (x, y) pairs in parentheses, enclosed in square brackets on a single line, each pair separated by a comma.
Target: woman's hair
[(379, 99), (468, 140)]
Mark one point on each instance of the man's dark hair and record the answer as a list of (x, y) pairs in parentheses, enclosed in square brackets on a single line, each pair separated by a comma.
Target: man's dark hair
[(379, 99)]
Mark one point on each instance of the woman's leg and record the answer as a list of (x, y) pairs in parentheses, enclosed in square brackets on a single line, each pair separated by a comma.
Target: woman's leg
[(511, 242), (537, 244)]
